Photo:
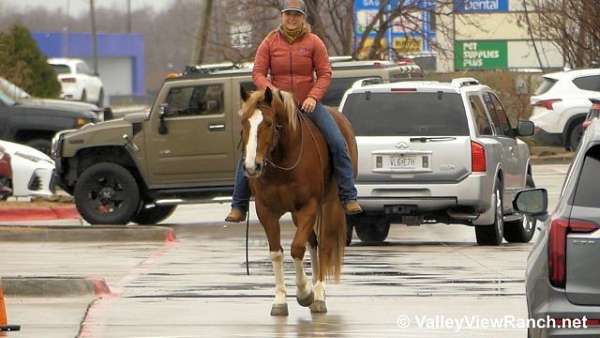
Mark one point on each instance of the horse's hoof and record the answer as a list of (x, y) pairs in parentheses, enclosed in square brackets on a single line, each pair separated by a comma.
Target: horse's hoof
[(318, 306), (308, 300), (279, 310)]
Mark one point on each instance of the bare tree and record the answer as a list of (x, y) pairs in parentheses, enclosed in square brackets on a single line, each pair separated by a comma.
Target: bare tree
[(572, 25)]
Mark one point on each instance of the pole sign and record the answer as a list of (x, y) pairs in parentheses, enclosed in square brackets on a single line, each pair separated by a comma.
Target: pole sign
[(480, 6), (480, 55)]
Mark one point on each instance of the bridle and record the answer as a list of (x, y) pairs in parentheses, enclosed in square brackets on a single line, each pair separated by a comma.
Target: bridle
[(275, 140)]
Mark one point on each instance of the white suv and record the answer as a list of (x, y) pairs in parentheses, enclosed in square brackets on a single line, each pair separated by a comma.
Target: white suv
[(437, 152), (560, 105), (78, 82)]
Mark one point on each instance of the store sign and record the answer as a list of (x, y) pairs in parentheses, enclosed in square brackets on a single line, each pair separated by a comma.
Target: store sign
[(480, 6), (408, 45), (480, 55)]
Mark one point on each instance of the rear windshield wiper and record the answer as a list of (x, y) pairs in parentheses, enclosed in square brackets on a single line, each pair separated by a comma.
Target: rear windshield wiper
[(432, 139)]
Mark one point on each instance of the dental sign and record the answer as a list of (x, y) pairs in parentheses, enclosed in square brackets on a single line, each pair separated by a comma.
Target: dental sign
[(480, 6)]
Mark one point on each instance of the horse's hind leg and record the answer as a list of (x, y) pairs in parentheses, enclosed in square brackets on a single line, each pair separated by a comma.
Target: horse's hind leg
[(305, 220), (318, 306), (270, 223)]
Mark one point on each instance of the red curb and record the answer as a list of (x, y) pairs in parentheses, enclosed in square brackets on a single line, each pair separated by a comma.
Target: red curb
[(38, 214), (170, 236)]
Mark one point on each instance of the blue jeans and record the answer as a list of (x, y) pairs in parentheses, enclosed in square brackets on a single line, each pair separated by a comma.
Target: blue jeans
[(342, 163)]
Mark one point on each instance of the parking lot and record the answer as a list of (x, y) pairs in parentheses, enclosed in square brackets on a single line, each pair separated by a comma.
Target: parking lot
[(197, 286)]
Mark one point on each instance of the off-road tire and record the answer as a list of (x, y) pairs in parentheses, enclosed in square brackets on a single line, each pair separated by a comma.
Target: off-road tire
[(92, 194), (153, 215)]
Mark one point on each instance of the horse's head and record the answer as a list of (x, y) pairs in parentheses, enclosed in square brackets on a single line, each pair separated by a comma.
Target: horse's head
[(264, 116)]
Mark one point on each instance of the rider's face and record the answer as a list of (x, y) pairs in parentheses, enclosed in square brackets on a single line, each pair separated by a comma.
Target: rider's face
[(292, 20)]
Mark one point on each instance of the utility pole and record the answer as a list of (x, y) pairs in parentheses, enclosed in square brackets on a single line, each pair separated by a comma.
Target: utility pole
[(129, 16), (201, 37), (94, 40)]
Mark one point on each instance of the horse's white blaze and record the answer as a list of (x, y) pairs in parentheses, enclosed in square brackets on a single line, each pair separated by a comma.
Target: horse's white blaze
[(252, 145), (303, 285), (280, 290)]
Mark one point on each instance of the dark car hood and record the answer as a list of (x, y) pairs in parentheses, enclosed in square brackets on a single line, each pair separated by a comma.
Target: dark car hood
[(63, 104)]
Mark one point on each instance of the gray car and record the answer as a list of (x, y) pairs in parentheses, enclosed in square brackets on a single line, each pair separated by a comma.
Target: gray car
[(563, 279), (438, 152)]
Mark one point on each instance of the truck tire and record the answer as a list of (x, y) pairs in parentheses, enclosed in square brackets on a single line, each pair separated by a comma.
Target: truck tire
[(40, 144), (521, 231), (107, 193), (153, 215), (372, 229), (493, 234)]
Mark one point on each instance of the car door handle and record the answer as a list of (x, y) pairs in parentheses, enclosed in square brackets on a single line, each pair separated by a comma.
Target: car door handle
[(216, 127)]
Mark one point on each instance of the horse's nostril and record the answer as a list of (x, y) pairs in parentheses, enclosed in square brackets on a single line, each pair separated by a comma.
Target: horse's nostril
[(258, 166)]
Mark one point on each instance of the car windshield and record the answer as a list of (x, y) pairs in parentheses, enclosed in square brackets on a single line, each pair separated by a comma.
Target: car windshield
[(14, 91), (545, 86), (407, 114), (61, 69)]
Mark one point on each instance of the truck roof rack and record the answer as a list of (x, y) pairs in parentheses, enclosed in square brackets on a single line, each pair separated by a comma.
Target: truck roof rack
[(214, 67), (464, 81)]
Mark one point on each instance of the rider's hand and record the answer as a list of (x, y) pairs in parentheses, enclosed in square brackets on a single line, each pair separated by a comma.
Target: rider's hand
[(309, 105)]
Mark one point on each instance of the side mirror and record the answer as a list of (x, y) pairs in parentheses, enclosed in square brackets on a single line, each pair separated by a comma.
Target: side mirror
[(533, 202), (525, 128), (162, 113)]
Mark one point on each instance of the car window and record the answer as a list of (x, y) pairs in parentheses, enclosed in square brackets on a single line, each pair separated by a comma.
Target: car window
[(588, 83), (588, 186), (480, 117), (406, 114), (61, 69), (498, 114), (82, 68), (545, 86), (338, 87), (195, 101)]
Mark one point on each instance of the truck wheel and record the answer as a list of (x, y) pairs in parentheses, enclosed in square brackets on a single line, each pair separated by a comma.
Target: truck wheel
[(153, 215), (492, 234), (521, 231), (372, 229), (107, 193), (41, 145)]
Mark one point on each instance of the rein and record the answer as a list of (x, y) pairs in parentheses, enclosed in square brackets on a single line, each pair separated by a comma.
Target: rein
[(276, 133)]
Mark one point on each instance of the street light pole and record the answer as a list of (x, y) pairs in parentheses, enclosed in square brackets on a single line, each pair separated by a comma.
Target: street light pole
[(94, 40)]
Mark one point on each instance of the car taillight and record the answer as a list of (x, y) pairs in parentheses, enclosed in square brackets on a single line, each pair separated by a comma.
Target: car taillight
[(548, 104), (557, 247), (69, 80), (5, 165), (478, 163)]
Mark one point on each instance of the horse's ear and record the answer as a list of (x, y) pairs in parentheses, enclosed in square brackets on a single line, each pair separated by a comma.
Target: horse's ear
[(244, 94), (268, 96)]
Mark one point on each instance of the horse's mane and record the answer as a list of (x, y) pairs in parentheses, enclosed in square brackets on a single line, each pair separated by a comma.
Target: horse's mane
[(282, 100)]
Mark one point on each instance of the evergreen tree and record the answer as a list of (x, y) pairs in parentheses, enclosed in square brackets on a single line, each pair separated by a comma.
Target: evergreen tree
[(22, 63)]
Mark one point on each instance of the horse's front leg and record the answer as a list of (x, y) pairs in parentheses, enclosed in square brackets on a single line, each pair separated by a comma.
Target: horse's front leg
[(270, 223), (305, 220), (319, 305)]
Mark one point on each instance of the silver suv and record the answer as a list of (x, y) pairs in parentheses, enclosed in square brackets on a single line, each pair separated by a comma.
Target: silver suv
[(562, 274), (438, 152)]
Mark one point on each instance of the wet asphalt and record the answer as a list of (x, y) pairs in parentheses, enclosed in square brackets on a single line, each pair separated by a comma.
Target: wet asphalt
[(423, 282)]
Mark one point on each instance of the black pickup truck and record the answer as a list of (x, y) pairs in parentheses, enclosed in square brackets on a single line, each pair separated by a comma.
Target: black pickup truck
[(34, 122)]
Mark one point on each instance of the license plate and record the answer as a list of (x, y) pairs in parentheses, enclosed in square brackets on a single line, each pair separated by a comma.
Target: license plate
[(403, 162)]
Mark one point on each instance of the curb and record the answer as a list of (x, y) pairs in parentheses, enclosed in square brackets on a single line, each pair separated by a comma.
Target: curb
[(86, 234), (554, 159), (54, 287), (39, 214)]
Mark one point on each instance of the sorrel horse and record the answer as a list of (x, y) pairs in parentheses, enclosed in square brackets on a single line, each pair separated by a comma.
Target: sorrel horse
[(288, 165)]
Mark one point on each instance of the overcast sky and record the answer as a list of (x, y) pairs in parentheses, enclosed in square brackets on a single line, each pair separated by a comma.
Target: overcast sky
[(79, 7)]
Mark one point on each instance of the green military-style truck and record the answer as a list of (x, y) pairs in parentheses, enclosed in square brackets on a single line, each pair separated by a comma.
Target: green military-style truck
[(183, 150)]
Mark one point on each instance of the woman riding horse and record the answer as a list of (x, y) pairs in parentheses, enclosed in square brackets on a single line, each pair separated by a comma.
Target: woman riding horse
[(292, 54)]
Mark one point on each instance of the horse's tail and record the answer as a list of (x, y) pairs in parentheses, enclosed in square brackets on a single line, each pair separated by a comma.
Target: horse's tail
[(331, 225)]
